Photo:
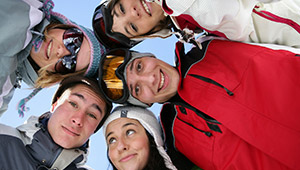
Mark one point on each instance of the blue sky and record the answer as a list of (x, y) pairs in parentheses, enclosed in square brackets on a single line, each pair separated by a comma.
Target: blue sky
[(81, 12)]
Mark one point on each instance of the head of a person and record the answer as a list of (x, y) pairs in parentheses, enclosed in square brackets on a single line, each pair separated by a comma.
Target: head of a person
[(78, 110), (134, 140), (66, 49), (127, 22), (138, 78)]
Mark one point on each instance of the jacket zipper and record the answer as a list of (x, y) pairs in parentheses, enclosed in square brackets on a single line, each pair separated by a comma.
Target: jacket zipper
[(209, 134), (208, 80)]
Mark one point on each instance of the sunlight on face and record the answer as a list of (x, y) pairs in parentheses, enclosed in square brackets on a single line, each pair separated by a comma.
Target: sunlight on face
[(53, 48), (136, 17), (76, 116), (151, 80)]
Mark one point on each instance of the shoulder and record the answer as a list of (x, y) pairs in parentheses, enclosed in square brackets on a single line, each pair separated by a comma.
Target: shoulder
[(176, 7), (29, 128)]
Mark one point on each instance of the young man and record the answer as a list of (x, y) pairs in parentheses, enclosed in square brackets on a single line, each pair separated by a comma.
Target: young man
[(228, 106), (58, 139)]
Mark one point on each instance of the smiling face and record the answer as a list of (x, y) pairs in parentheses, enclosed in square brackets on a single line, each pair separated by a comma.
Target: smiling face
[(53, 48), (151, 80), (128, 144), (135, 17), (76, 115)]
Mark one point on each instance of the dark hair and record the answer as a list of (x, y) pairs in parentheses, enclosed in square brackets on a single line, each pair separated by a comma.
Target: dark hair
[(155, 160), (166, 23)]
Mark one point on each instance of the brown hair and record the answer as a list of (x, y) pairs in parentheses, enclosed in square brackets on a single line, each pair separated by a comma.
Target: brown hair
[(166, 23), (155, 160), (47, 78)]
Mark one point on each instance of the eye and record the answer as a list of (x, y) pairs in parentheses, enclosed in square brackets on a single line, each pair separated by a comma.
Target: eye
[(73, 104), (130, 132), (92, 115), (133, 27), (139, 67), (137, 90), (122, 9), (111, 140)]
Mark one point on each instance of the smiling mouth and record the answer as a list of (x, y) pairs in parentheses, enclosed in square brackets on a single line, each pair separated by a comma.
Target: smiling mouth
[(70, 132), (127, 158), (146, 8), (49, 49), (162, 81)]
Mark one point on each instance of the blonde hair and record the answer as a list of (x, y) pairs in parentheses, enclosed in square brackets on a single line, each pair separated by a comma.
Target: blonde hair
[(48, 78)]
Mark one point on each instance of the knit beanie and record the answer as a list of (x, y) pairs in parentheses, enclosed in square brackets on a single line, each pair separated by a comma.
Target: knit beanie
[(97, 49), (148, 121)]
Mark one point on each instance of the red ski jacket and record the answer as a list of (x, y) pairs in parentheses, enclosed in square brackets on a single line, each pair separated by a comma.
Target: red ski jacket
[(237, 107)]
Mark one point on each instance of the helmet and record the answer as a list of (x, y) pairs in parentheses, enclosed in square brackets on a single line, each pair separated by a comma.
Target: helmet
[(102, 24)]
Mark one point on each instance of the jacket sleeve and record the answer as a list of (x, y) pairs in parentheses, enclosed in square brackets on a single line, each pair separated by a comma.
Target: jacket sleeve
[(17, 19)]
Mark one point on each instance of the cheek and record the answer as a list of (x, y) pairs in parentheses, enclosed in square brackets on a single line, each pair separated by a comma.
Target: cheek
[(112, 154), (147, 96)]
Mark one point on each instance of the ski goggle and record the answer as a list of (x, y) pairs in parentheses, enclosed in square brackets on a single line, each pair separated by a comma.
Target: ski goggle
[(111, 75), (72, 39), (102, 26)]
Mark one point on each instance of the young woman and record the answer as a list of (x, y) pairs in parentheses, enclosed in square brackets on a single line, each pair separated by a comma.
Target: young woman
[(41, 47), (129, 21), (134, 140), (235, 101)]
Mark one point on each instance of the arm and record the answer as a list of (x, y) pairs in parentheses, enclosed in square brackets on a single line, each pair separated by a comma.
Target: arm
[(17, 24)]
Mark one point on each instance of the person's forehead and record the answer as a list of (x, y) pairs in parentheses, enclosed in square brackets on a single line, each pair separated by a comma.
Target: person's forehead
[(122, 123), (84, 89)]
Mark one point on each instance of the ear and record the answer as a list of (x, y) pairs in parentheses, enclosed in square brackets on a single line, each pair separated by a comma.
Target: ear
[(53, 106)]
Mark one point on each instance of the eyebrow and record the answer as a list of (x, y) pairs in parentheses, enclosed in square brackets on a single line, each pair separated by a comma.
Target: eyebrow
[(117, 15), (126, 124), (82, 98)]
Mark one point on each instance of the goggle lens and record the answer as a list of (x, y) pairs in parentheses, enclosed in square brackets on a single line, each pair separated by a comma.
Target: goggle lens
[(112, 84), (72, 39)]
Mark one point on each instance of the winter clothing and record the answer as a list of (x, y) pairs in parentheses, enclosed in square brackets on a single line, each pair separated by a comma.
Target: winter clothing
[(148, 121), (242, 112), (23, 29), (97, 49), (239, 20), (30, 147)]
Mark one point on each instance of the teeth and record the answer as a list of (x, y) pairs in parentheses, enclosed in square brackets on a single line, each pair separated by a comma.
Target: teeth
[(146, 7), (49, 49), (162, 80)]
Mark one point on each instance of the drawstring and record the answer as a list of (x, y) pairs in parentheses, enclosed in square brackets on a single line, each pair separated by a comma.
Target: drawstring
[(230, 93), (188, 36), (22, 103)]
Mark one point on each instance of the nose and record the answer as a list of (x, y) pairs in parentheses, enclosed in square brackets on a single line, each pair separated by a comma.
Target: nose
[(134, 12), (78, 118), (122, 145), (148, 79), (62, 51)]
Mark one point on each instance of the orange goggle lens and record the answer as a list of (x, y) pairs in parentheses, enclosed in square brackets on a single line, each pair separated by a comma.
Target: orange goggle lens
[(113, 85)]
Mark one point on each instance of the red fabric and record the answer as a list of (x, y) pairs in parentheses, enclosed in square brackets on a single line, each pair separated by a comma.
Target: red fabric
[(260, 122)]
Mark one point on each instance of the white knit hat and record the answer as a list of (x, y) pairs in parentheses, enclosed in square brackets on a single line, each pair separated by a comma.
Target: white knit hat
[(148, 121)]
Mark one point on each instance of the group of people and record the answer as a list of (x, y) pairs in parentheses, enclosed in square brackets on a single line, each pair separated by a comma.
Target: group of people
[(230, 102)]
